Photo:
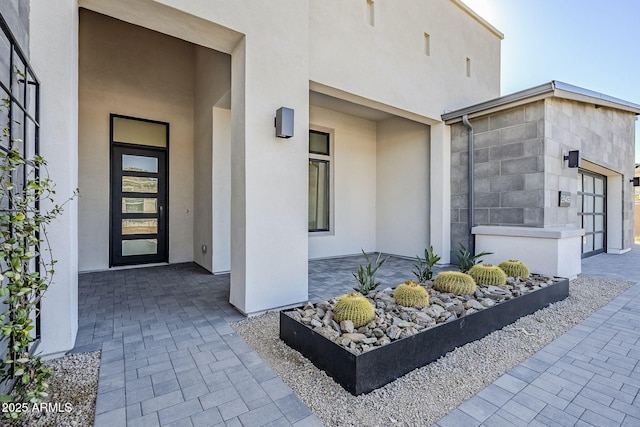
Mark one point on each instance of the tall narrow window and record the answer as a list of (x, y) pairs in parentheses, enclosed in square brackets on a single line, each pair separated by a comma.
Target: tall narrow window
[(468, 67), (427, 44), (319, 180), (371, 12)]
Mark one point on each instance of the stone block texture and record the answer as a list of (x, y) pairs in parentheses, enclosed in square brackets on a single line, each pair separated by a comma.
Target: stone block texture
[(604, 136), (508, 170), (519, 169)]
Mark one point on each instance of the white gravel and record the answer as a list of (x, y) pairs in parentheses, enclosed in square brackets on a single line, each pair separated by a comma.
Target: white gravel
[(426, 394), (72, 393)]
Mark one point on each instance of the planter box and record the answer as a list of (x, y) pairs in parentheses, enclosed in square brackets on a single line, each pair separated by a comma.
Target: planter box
[(373, 369)]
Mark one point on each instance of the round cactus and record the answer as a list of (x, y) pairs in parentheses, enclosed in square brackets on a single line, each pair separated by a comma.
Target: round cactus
[(354, 307), (515, 268), (455, 282), (488, 274), (411, 294)]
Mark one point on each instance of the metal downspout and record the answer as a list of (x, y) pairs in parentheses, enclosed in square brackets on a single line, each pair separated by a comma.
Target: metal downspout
[(471, 192)]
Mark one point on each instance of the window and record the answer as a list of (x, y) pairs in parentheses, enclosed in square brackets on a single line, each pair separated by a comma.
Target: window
[(319, 180)]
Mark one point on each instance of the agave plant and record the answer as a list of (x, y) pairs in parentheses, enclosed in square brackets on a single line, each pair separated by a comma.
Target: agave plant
[(366, 276), (466, 260), (424, 266)]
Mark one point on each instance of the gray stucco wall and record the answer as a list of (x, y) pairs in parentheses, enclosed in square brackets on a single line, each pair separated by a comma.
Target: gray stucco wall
[(508, 172), (16, 13)]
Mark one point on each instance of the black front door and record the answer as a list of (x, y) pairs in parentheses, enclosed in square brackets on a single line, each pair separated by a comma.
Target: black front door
[(138, 205)]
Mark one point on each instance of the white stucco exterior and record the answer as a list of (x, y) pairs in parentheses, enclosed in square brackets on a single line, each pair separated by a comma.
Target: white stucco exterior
[(216, 71)]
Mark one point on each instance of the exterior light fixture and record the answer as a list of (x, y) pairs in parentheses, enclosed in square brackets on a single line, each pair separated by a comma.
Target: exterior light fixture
[(573, 158), (636, 181), (284, 122)]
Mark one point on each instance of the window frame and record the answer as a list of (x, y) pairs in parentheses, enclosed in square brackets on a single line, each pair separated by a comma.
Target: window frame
[(329, 160)]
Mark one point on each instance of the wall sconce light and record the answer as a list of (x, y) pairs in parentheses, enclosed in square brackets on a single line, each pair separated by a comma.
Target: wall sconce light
[(284, 122), (636, 181), (573, 158)]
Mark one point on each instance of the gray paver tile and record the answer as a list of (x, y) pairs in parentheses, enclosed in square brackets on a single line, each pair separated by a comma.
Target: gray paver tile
[(260, 416), (116, 417), (457, 418), (292, 408), (157, 403), (149, 420), (179, 411), (232, 409), (219, 397), (207, 418), (478, 408), (510, 383), (106, 402)]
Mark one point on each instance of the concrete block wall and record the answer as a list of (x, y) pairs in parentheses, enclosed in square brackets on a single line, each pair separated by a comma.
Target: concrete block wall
[(605, 137), (508, 171), (16, 14)]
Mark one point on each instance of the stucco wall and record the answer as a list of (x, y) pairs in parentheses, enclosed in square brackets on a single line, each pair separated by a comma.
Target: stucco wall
[(128, 70), (509, 171), (348, 53), (212, 164), (402, 187), (353, 223)]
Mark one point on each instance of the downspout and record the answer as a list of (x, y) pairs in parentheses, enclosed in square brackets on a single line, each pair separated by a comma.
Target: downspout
[(471, 192)]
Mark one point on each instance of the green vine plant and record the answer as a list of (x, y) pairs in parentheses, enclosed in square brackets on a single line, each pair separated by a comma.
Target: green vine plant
[(423, 268), (26, 269), (466, 260), (366, 276)]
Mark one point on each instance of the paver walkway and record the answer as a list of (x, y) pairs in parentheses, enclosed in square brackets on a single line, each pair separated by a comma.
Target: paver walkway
[(590, 376), (169, 356)]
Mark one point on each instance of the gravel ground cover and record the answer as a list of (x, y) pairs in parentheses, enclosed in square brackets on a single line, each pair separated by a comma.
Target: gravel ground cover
[(426, 394), (72, 394)]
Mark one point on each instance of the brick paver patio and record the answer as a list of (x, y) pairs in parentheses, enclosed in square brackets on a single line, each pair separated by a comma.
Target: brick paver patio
[(170, 358)]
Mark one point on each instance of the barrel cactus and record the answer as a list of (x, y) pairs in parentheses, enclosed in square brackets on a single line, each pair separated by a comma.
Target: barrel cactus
[(354, 307), (515, 268), (411, 294), (488, 274), (455, 282)]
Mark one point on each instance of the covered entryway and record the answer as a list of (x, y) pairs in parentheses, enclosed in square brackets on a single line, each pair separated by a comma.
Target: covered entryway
[(592, 202)]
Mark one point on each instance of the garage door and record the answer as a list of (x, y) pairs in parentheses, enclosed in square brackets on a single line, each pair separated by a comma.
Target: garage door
[(592, 189)]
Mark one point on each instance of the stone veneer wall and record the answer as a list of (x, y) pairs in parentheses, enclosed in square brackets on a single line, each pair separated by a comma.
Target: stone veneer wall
[(508, 172), (605, 137)]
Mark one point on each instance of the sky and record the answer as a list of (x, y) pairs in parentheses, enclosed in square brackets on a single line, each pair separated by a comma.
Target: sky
[(593, 44)]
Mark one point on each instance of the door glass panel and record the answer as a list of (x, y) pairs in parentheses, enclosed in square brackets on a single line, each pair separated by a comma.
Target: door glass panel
[(139, 184), (588, 223), (140, 226), (139, 205), (587, 243), (588, 184), (599, 225), (139, 247), (141, 132), (139, 163), (318, 195), (598, 241), (599, 186), (599, 205), (588, 204)]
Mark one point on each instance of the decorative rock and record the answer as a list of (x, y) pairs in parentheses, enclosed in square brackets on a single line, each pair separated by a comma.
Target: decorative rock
[(394, 332), (438, 310), (473, 304), (354, 337), (327, 332), (346, 326), (487, 302), (369, 340), (316, 323)]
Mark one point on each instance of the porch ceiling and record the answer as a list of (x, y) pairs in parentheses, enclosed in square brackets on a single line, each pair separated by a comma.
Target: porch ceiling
[(340, 105)]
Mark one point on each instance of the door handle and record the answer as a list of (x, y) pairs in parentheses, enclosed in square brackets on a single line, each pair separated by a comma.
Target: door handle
[(161, 218)]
